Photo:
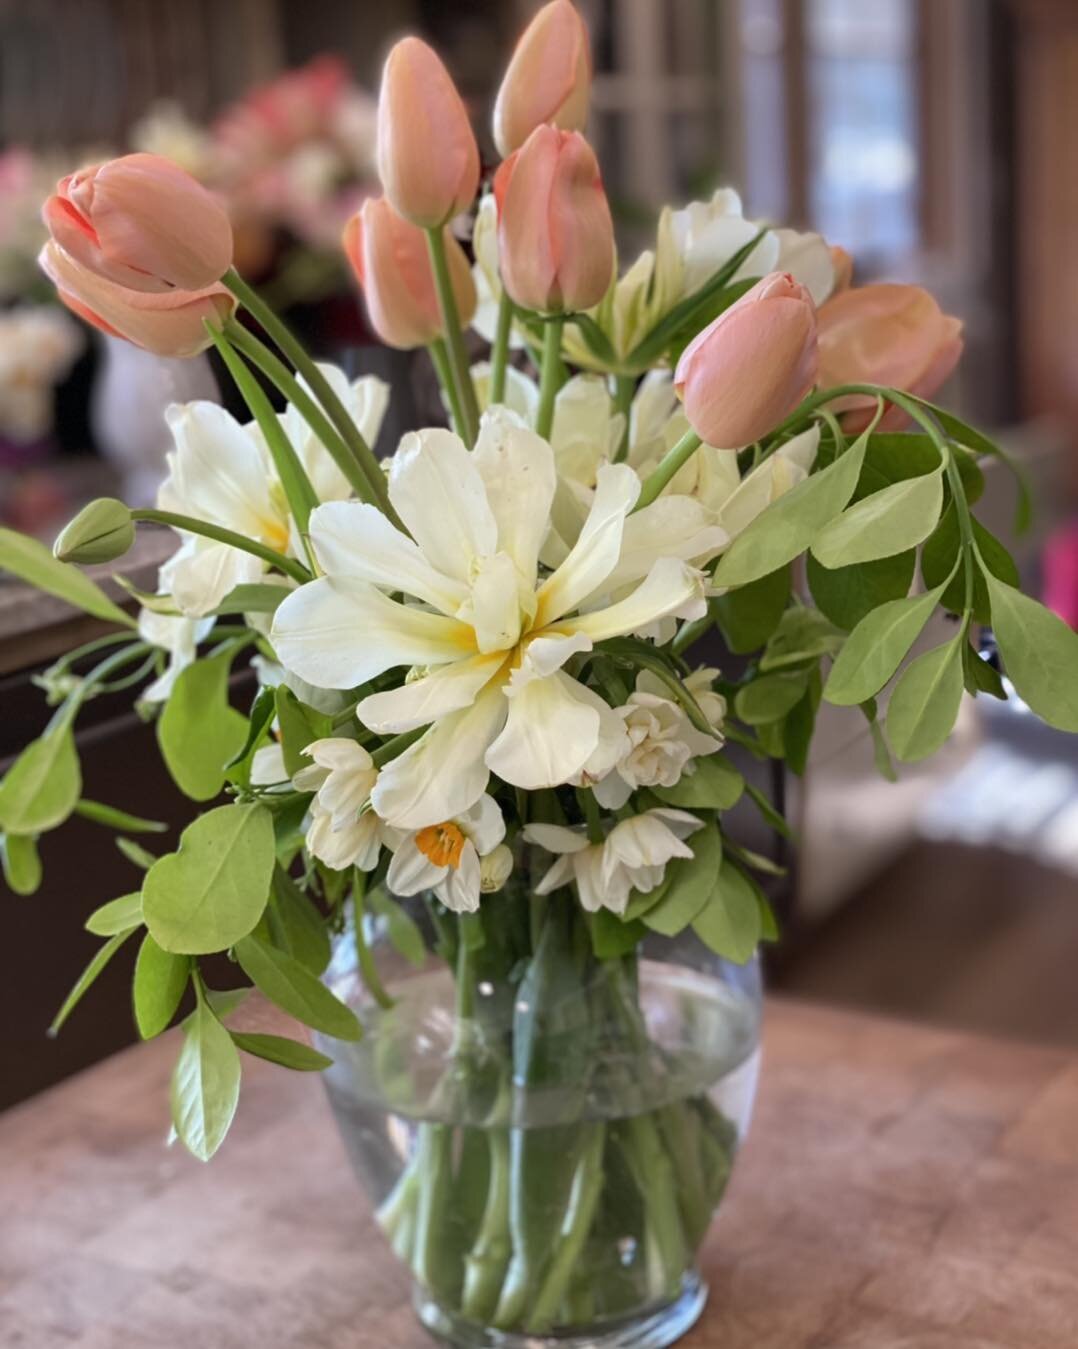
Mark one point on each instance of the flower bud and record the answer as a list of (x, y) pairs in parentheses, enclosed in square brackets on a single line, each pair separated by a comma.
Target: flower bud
[(392, 264), (891, 335), (555, 235), (101, 532), (427, 156), (495, 869), (142, 222), (167, 322), (751, 367), (548, 80)]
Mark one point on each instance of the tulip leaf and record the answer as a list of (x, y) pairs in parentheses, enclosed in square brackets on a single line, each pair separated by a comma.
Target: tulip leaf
[(288, 1053), (205, 1083), (876, 648), (770, 697), (1040, 654), (212, 891), (790, 525), (198, 731), (749, 614), (925, 702), (118, 915), (32, 562), (101, 958), (714, 784), (691, 881), (888, 522), (42, 786), (21, 862), (160, 982), (295, 990), (730, 923), (848, 594)]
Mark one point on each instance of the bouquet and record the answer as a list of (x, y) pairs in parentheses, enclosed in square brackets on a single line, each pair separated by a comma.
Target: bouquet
[(480, 742)]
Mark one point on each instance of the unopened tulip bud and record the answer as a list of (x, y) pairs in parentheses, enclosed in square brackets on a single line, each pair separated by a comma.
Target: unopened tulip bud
[(392, 264), (892, 335), (142, 222), (495, 869), (427, 156), (555, 235), (101, 532), (166, 322), (747, 371), (548, 80)]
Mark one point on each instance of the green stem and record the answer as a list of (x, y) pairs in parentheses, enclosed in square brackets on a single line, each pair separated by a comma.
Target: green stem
[(692, 632), (454, 336), (487, 1261), (440, 359), (384, 753), (671, 462), (499, 352), (550, 376), (320, 386), (436, 1258), (367, 968), (624, 389), (288, 565), (579, 1216)]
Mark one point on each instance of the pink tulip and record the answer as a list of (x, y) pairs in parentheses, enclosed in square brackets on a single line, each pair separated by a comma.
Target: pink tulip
[(747, 371), (548, 80), (427, 156), (166, 322), (142, 222), (555, 235), (390, 259), (892, 335)]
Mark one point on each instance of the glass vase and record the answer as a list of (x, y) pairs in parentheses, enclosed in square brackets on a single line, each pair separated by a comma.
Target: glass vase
[(545, 1132)]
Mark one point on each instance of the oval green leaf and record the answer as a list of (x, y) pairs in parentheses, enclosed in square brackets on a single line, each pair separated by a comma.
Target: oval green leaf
[(770, 697), (32, 562), (714, 784), (925, 703), (279, 1049), (160, 982), (21, 863), (118, 915), (205, 1084), (42, 786), (692, 880), (1040, 654), (887, 522), (876, 648), (295, 990), (198, 731), (730, 922)]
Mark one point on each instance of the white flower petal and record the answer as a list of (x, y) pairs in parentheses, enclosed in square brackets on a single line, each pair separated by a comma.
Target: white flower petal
[(425, 700), (671, 587), (462, 885), (483, 824), (596, 889), (521, 393), (551, 731), (267, 766), (561, 873), (555, 838), (338, 633), (544, 655), (672, 526), (201, 579), (411, 870), (517, 468), (493, 608)]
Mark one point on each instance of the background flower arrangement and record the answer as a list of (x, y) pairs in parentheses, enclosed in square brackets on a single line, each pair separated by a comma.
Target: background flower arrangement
[(475, 662)]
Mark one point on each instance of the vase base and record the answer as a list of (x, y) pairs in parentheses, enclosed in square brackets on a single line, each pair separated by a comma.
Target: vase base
[(653, 1329)]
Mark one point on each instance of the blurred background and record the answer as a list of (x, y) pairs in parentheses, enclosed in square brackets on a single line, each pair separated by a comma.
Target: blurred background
[(932, 138)]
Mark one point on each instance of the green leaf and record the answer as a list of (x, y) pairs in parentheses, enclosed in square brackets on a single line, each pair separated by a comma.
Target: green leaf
[(205, 1084), (198, 731), (160, 982), (613, 937), (296, 991), (771, 816), (748, 615), (979, 443), (299, 727), (86, 978), (225, 1001), (940, 554), (803, 635), (402, 930), (32, 562), (769, 698), (980, 676), (789, 525), (117, 819), (714, 784), (21, 863), (881, 753), (298, 923), (643, 655), (886, 523), (42, 786), (238, 768), (279, 1049), (730, 922), (136, 853), (893, 457), (876, 647), (211, 892), (252, 599), (118, 915), (1040, 654), (847, 594), (800, 724), (692, 880), (925, 702)]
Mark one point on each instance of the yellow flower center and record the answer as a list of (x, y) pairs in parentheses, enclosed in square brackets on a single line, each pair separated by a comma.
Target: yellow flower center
[(441, 843)]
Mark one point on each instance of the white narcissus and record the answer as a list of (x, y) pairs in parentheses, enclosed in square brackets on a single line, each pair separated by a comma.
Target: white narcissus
[(446, 858), (633, 856), (487, 636), (220, 471), (343, 831)]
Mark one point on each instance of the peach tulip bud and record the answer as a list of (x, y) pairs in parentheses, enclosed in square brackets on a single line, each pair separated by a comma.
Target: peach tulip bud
[(555, 235), (392, 263), (427, 156), (548, 80), (142, 222), (892, 335), (843, 265), (166, 322), (747, 371)]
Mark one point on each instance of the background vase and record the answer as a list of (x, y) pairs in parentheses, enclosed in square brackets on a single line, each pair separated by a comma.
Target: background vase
[(545, 1134), (127, 414)]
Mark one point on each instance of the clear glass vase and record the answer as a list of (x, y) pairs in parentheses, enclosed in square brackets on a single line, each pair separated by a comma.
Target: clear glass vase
[(545, 1134)]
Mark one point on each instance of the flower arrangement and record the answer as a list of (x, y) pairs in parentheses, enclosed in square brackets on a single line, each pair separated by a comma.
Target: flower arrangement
[(476, 683)]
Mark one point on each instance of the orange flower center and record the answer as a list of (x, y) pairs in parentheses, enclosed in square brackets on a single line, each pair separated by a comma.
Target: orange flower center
[(441, 843)]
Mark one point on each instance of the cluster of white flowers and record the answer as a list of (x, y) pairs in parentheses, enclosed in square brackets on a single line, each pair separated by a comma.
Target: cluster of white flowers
[(38, 344)]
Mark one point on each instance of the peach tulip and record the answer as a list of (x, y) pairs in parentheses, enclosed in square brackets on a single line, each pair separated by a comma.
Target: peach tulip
[(166, 322), (892, 335), (555, 235), (843, 265), (751, 367), (427, 156), (142, 222), (390, 259), (548, 80)]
